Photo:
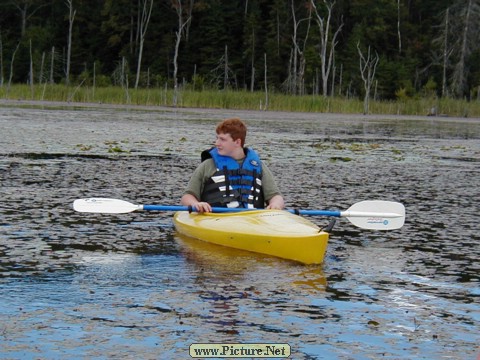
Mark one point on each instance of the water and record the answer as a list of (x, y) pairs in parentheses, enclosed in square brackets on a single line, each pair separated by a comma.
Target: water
[(128, 286)]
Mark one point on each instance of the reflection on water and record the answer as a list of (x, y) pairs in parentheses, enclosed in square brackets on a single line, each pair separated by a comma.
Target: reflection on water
[(129, 286)]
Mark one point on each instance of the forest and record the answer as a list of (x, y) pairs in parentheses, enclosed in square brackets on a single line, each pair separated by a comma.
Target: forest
[(379, 49)]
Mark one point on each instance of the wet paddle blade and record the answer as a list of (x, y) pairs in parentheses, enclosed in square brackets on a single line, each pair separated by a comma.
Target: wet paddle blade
[(104, 206), (376, 215)]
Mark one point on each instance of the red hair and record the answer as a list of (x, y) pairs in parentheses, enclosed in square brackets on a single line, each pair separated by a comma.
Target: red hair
[(235, 127)]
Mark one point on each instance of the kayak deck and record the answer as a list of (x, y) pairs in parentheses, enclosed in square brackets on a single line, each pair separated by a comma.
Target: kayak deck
[(272, 232)]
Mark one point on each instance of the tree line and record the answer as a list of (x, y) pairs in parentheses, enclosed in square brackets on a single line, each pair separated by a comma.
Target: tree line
[(385, 49)]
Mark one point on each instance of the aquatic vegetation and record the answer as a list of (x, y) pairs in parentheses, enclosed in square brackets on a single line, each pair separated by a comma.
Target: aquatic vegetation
[(240, 99), (83, 147)]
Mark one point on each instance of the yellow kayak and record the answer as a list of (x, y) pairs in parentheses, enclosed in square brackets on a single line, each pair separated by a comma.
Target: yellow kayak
[(272, 232)]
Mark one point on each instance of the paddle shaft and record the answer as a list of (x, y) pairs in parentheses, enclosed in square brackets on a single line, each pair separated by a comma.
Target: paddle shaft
[(231, 210), (293, 211)]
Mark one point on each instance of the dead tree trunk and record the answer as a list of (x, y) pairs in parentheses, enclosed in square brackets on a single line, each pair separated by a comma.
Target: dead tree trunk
[(446, 48), (299, 61), (327, 41), (470, 16), (147, 6), (11, 68), (225, 70), (181, 25), (445, 56), (23, 6), (124, 77), (367, 70), (71, 17), (252, 79), (266, 84), (398, 28), (42, 64), (31, 68), (52, 62)]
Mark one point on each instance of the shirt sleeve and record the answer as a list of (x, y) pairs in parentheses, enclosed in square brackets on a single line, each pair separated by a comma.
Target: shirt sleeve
[(270, 188), (199, 178)]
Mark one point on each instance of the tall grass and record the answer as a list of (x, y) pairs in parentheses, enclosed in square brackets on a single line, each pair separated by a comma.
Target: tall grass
[(240, 100)]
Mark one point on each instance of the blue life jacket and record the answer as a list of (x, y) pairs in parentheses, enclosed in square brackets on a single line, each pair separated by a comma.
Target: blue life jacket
[(234, 185)]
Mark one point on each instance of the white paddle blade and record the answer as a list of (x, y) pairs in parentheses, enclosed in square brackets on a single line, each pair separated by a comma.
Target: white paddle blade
[(104, 206), (376, 215)]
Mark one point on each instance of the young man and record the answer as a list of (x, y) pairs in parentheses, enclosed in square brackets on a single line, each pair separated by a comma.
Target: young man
[(231, 175)]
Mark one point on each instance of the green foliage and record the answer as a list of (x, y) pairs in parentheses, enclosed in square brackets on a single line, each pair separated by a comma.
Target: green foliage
[(104, 33), (429, 89), (401, 94), (102, 81)]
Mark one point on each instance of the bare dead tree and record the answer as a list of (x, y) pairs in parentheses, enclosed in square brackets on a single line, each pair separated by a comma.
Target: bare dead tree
[(368, 67), (252, 80), (94, 81), (182, 23), (278, 32), (146, 11), (458, 38), (469, 15), (398, 28), (225, 69), (42, 64), (23, 6), (52, 62), (293, 70), (287, 85), (31, 68), (11, 67), (71, 17), (299, 61), (189, 11), (446, 55), (266, 83), (334, 70), (124, 77), (328, 42), (447, 50), (340, 80), (223, 73)]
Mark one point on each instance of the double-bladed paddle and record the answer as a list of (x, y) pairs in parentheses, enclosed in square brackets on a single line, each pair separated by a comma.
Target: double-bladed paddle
[(370, 214)]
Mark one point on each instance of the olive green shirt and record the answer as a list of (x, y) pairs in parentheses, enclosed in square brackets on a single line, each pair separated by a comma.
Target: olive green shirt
[(206, 169)]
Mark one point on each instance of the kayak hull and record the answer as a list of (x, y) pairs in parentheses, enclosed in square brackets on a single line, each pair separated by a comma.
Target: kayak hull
[(271, 232)]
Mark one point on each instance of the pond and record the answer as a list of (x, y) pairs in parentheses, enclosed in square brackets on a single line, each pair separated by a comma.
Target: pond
[(128, 286)]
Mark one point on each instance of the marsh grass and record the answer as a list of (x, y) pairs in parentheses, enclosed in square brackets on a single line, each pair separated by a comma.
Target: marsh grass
[(240, 100)]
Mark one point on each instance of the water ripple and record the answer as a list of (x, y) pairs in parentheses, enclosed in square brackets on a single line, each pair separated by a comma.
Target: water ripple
[(109, 286)]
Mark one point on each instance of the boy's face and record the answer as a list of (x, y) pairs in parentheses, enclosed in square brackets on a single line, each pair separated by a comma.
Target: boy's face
[(225, 144)]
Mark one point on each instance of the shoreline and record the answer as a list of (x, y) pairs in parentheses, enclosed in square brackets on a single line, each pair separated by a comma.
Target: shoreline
[(243, 113)]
